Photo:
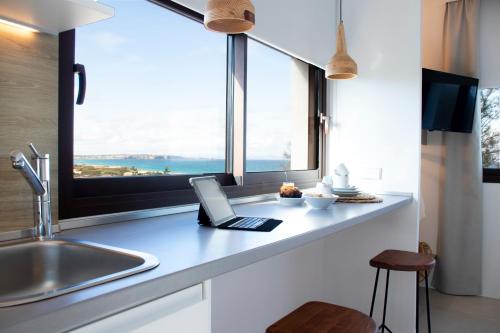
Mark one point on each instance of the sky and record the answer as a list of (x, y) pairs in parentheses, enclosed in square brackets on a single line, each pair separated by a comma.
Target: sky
[(156, 84)]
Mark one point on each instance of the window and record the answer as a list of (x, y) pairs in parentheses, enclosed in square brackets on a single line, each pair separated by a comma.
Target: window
[(281, 134), (489, 100), (156, 101), (167, 100)]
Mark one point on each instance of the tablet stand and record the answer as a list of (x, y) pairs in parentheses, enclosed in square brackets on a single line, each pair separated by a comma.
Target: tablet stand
[(203, 218)]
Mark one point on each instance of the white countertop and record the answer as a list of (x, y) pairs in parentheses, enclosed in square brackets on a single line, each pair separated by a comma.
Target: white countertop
[(188, 254)]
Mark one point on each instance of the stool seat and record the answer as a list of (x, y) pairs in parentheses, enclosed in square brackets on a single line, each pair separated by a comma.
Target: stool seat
[(403, 261), (320, 317)]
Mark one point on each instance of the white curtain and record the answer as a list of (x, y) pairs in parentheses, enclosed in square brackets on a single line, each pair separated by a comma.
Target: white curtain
[(460, 227)]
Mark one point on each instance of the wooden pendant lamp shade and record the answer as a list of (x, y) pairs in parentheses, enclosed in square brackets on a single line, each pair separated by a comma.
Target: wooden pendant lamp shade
[(230, 16), (341, 66)]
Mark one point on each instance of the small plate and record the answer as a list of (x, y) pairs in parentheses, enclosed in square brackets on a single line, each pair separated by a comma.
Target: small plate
[(346, 194), (346, 189)]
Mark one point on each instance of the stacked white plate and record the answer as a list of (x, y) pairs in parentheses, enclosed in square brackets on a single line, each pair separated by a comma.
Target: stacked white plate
[(350, 191)]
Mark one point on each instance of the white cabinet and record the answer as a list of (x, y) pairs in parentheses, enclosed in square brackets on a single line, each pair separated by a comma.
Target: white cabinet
[(186, 311), (54, 16)]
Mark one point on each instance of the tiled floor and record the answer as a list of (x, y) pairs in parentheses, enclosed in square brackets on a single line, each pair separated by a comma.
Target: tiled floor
[(460, 314)]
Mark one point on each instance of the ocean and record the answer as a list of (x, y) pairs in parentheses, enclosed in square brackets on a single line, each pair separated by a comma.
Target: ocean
[(185, 166)]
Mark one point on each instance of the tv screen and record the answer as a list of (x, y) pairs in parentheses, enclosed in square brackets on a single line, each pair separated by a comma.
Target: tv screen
[(448, 101)]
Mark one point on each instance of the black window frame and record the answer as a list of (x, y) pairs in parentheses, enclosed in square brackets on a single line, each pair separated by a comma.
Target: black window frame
[(79, 197), (490, 175)]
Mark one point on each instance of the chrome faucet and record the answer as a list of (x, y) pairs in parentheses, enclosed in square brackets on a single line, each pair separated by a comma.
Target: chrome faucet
[(39, 180)]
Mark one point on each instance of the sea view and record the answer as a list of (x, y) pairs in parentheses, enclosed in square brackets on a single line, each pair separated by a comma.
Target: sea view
[(181, 165)]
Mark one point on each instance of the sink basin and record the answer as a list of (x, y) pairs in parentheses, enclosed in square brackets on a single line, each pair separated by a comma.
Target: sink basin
[(33, 270)]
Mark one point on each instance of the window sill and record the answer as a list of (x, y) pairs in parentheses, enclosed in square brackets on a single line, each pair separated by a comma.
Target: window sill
[(95, 220)]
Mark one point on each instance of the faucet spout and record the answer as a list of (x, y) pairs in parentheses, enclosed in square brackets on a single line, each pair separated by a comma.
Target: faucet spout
[(20, 163), (39, 180)]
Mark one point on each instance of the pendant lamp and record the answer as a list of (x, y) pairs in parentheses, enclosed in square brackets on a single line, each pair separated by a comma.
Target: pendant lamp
[(341, 65), (230, 16)]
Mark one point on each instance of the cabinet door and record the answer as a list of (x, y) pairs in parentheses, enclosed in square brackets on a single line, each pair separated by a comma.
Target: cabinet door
[(186, 311)]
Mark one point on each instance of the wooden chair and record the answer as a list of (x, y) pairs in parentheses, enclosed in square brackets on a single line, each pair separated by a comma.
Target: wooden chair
[(320, 317), (395, 260)]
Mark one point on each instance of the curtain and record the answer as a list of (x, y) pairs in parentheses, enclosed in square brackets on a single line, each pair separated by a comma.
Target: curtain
[(459, 251)]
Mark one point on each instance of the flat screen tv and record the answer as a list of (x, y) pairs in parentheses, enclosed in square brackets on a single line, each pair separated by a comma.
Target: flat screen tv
[(448, 101)]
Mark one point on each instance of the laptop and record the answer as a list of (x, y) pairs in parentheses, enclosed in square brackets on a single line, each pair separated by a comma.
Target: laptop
[(216, 207)]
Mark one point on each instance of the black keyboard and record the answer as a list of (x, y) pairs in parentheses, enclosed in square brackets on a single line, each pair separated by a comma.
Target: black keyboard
[(249, 223)]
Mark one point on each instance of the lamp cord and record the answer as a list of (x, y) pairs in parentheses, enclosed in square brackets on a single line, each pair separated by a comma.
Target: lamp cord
[(341, 20)]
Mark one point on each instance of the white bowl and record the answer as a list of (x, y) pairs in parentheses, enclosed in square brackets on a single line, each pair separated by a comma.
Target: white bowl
[(291, 201), (320, 202)]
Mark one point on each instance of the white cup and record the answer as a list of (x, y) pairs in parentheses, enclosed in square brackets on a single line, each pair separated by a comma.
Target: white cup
[(340, 181), (323, 188)]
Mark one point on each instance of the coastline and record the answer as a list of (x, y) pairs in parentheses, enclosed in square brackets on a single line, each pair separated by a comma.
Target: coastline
[(118, 167), (175, 166)]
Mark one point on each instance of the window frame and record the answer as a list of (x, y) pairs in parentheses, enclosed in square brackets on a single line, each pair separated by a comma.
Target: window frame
[(81, 197), (490, 175)]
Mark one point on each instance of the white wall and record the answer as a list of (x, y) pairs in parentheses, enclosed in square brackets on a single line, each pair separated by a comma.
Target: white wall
[(376, 124), (432, 33), (489, 48), (349, 278), (431, 187), (250, 299), (432, 152), (377, 115), (491, 240), (490, 77)]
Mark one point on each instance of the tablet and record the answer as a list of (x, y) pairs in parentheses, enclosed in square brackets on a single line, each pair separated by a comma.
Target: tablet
[(213, 199)]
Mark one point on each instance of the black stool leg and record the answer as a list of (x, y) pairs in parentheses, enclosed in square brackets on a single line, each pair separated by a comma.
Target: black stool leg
[(385, 300), (374, 292), (418, 306), (427, 301)]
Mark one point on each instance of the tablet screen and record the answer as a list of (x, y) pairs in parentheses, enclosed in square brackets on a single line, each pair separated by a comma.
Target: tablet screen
[(213, 199)]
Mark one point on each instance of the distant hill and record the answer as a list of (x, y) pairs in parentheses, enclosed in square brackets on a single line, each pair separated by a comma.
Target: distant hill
[(136, 157)]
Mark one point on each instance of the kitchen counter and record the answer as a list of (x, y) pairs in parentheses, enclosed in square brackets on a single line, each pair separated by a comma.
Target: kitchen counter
[(188, 254)]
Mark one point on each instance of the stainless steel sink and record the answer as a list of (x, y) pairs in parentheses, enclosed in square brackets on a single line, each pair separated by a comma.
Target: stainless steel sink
[(33, 270)]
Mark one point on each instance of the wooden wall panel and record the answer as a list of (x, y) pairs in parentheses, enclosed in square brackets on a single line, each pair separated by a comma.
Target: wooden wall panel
[(28, 112)]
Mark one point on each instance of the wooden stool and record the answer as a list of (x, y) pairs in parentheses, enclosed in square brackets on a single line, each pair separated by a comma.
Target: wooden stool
[(319, 317), (402, 261)]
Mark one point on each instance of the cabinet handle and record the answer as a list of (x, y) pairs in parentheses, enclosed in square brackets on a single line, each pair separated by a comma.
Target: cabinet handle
[(82, 82)]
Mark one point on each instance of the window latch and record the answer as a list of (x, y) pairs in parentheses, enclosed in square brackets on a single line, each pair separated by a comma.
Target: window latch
[(325, 120), (82, 82)]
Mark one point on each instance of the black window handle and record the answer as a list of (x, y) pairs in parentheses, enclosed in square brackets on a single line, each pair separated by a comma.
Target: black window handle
[(82, 82)]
